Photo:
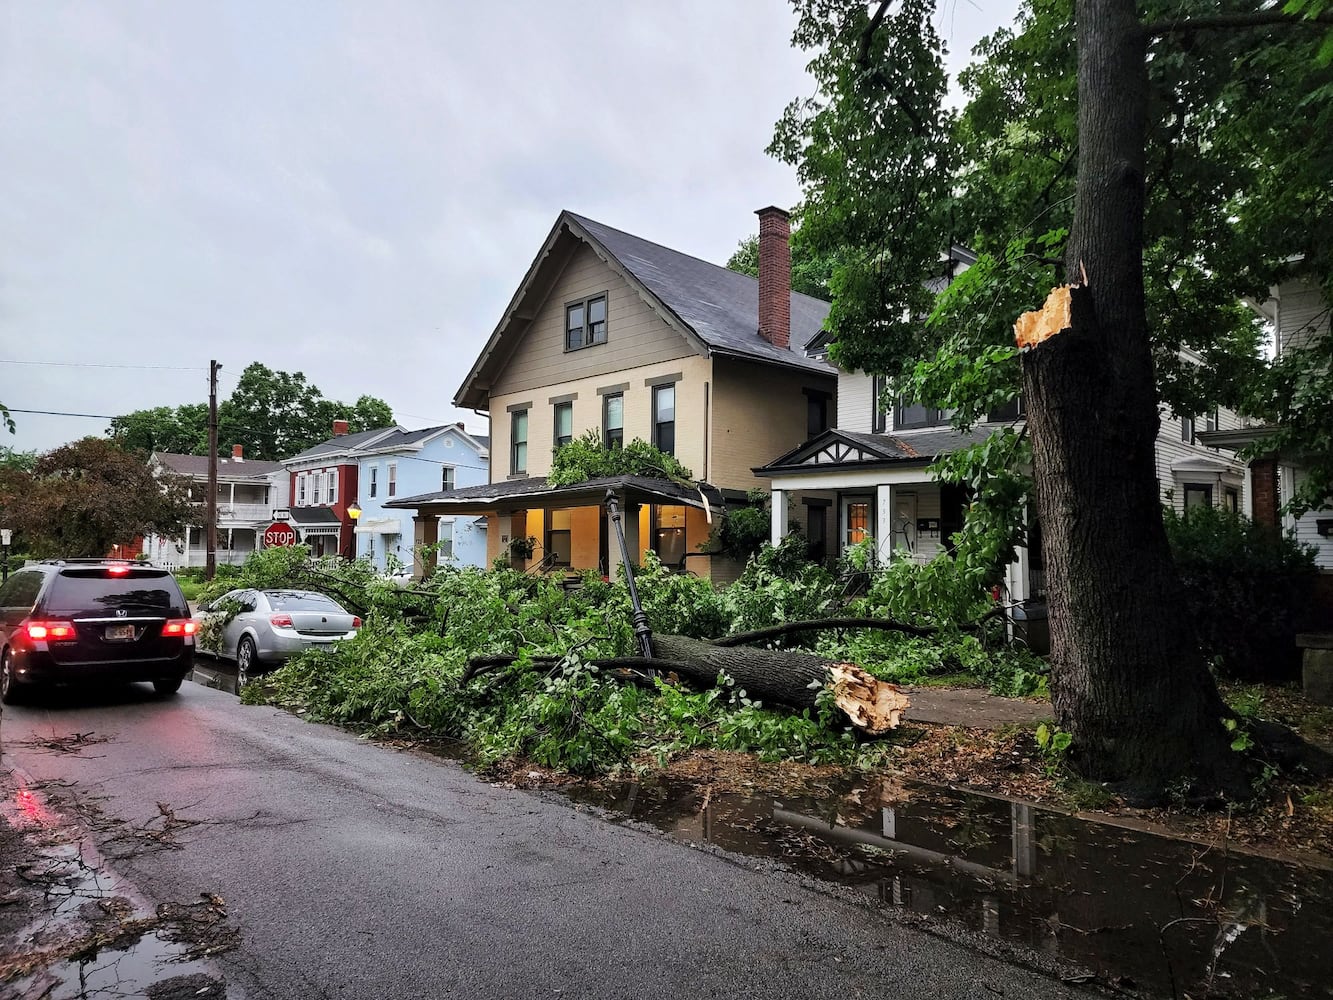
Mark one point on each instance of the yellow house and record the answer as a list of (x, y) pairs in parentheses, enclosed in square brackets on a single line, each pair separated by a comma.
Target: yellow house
[(613, 333)]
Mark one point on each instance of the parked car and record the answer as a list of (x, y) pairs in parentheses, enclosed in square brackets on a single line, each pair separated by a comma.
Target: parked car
[(80, 621), (259, 629)]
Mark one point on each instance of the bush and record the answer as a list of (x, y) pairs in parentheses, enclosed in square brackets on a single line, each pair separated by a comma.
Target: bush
[(1248, 589)]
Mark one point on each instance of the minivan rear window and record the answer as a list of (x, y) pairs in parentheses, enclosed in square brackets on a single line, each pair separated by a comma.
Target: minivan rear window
[(92, 592)]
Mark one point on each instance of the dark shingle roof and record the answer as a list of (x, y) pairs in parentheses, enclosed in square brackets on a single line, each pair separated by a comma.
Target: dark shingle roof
[(720, 305), (917, 447), (342, 443), (538, 486), (196, 466)]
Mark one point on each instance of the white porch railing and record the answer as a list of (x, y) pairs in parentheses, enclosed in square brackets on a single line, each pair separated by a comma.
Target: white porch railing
[(247, 512)]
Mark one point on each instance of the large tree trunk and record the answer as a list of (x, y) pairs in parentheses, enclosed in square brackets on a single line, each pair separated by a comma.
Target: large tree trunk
[(1128, 680)]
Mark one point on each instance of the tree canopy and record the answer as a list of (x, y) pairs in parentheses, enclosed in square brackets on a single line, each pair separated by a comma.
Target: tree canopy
[(84, 497), (273, 414)]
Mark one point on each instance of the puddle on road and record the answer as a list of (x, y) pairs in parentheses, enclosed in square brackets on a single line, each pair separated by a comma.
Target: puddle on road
[(1140, 910), (96, 939)]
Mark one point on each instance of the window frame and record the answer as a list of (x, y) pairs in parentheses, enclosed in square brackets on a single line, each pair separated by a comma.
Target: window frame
[(391, 479), (879, 412), (448, 479), (557, 439), (515, 467), (585, 328), (607, 440), (1187, 488), (658, 424), (935, 417), (552, 532), (817, 405), (1187, 430), (372, 486)]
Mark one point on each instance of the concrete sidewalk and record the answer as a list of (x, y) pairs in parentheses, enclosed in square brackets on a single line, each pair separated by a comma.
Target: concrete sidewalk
[(973, 708)]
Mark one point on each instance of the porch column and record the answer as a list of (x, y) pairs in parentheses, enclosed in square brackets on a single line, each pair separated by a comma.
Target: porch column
[(231, 501), (884, 523), (629, 523), (779, 516), (425, 531)]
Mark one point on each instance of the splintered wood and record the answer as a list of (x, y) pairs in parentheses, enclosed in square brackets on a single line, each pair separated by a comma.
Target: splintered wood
[(1042, 324), (873, 705)]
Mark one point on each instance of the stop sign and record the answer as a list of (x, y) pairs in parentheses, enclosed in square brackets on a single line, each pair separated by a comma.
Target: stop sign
[(279, 533)]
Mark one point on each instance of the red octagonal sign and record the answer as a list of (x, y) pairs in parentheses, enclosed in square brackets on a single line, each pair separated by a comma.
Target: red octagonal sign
[(279, 533)]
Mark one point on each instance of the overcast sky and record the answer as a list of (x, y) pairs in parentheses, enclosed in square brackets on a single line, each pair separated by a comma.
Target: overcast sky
[(353, 189)]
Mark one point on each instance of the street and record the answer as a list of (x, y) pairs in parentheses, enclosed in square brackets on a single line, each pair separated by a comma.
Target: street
[(354, 870)]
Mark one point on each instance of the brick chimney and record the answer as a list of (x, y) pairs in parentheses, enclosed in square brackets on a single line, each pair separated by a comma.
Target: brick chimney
[(238, 453), (775, 276), (339, 428)]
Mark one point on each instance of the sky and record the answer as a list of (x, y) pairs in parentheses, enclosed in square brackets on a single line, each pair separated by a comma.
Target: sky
[(354, 190)]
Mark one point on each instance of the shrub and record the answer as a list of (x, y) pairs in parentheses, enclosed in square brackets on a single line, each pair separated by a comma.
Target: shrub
[(1248, 590)]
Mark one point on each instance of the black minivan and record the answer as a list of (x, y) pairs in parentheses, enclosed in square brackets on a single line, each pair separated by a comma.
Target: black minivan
[(89, 621)]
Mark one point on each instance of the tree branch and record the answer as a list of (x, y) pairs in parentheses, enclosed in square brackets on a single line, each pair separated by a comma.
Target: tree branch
[(1257, 19), (867, 36)]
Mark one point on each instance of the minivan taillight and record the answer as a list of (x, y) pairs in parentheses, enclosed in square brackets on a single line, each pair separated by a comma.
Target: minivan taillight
[(282, 621), (180, 626), (51, 631)]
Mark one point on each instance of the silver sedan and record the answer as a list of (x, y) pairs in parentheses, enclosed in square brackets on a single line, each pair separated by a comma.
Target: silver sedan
[(271, 625)]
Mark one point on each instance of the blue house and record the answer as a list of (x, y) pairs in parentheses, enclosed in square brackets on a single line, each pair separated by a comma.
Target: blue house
[(406, 463)]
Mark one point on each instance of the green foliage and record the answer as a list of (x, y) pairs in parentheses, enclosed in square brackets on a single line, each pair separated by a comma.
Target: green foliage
[(1054, 745), (741, 532), (181, 430), (1248, 591), (84, 497), (811, 272), (585, 458)]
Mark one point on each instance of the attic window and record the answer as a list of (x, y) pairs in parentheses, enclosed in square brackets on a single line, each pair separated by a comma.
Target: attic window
[(585, 322)]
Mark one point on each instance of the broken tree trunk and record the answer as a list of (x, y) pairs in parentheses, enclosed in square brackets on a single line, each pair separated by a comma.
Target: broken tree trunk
[(787, 678)]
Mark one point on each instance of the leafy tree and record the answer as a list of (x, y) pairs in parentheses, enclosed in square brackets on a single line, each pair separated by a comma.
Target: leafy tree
[(585, 458), (84, 497), (181, 430), (1058, 140), (810, 271)]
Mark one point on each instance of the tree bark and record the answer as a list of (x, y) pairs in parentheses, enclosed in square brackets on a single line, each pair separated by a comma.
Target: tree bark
[(788, 678), (1127, 678)]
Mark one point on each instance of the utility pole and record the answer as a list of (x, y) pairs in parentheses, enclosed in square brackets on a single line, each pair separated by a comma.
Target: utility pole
[(211, 501)]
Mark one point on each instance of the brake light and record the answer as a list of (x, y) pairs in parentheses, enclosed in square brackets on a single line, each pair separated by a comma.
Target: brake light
[(50, 631), (180, 626), (282, 621), (356, 622), (118, 570)]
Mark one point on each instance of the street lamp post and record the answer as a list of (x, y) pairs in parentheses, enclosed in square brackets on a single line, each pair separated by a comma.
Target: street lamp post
[(6, 535), (354, 512)]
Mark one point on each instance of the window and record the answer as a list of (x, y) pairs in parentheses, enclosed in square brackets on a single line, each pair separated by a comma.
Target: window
[(910, 415), (613, 420), (559, 546), (447, 478), (1210, 420), (858, 521), (370, 547), (21, 590), (1187, 429), (879, 408), (374, 480), (669, 535), (1231, 499), (817, 532), (332, 491), (392, 479), (445, 538), (585, 323), (1198, 495), (564, 424), (664, 418), (816, 413), (1006, 412), (300, 490), (317, 488), (518, 441)]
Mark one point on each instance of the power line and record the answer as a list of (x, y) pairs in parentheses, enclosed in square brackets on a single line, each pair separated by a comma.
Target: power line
[(89, 364), (61, 413)]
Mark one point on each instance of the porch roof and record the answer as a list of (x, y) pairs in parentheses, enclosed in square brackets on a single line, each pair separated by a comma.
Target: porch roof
[(520, 494), (852, 449)]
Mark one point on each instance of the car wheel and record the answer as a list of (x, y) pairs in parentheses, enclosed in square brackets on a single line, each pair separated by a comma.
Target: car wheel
[(9, 687), (247, 662), (168, 687)]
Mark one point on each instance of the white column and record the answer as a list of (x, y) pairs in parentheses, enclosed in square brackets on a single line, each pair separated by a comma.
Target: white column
[(779, 517), (232, 501), (884, 522)]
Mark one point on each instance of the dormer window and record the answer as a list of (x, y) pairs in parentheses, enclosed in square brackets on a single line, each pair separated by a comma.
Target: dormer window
[(585, 323)]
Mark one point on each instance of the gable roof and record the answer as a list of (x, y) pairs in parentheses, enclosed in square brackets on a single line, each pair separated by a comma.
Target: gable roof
[(196, 466), (715, 308), (343, 444), (840, 449), (400, 439)]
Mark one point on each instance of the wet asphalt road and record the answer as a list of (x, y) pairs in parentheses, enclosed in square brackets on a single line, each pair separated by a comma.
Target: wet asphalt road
[(359, 871)]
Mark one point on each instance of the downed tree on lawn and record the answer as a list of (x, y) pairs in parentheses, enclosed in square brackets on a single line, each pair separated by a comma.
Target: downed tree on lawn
[(780, 677)]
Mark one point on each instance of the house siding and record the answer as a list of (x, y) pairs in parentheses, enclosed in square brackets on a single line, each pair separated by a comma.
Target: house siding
[(1305, 527), (759, 412), (1171, 449), (855, 402), (1302, 315), (636, 335), (692, 394)]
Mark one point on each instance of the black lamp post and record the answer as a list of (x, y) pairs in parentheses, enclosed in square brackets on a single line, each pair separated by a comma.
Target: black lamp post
[(354, 512), (5, 536)]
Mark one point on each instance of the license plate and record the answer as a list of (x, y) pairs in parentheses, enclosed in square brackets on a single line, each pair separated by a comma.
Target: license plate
[(120, 631)]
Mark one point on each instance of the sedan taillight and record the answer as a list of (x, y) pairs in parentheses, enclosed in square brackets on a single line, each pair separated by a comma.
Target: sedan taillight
[(282, 621), (50, 631), (180, 626), (356, 622)]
